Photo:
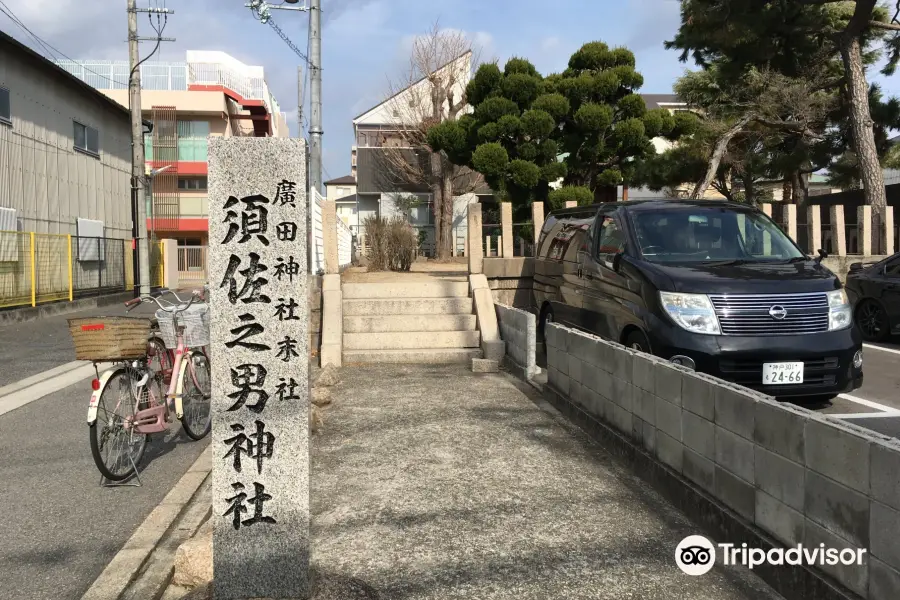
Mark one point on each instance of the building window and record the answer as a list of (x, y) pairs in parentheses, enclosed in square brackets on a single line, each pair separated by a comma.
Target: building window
[(343, 191), (87, 139), (193, 140), (192, 183), (5, 109)]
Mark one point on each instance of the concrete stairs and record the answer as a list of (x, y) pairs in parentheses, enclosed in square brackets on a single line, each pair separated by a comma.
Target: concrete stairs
[(419, 321)]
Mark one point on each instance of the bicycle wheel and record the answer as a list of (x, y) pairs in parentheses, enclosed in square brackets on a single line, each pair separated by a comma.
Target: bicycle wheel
[(115, 445), (196, 396)]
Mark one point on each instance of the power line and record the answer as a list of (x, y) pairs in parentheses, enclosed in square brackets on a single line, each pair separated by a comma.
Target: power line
[(48, 48)]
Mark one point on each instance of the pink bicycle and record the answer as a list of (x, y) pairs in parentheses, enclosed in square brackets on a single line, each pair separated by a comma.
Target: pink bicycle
[(139, 395)]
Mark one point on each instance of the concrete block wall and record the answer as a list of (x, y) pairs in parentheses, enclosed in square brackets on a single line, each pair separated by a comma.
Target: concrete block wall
[(799, 477), (511, 280), (518, 328)]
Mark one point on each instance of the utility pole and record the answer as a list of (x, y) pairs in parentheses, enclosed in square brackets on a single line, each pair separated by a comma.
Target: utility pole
[(139, 209), (138, 173), (315, 90), (299, 101)]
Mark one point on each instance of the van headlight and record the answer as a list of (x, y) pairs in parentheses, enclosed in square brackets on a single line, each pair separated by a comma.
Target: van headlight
[(693, 312), (840, 315)]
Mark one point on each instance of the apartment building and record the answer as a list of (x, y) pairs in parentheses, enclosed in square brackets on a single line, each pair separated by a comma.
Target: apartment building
[(209, 94)]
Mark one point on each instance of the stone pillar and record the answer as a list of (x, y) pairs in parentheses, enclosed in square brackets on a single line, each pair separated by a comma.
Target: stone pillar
[(260, 367), (170, 264), (767, 237), (864, 230), (790, 220), (814, 228), (487, 246), (571, 203), (537, 219), (838, 230), (329, 237), (332, 350), (506, 227), (473, 235), (889, 230)]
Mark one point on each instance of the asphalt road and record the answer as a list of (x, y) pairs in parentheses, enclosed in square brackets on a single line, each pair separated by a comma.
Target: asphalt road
[(876, 405), (60, 528), (30, 348)]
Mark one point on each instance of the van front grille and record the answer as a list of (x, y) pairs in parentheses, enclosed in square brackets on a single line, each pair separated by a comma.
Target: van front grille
[(771, 314)]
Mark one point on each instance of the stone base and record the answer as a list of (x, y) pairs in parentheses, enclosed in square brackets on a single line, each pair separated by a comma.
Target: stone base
[(485, 365)]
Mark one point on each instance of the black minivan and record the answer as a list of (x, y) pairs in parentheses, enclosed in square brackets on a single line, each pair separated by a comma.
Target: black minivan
[(714, 286)]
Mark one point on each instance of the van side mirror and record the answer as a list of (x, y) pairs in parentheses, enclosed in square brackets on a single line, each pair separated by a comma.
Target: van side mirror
[(617, 261), (854, 267), (822, 256)]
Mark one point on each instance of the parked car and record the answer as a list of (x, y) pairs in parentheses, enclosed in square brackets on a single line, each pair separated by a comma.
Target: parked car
[(874, 291), (714, 286)]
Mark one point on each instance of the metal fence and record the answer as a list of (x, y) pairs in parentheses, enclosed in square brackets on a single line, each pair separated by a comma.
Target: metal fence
[(191, 266), (40, 267)]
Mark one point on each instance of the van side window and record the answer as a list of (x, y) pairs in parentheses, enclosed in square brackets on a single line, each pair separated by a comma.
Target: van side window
[(892, 269), (612, 239)]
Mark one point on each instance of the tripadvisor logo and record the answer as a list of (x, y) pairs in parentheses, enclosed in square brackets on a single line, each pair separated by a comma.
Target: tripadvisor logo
[(696, 555)]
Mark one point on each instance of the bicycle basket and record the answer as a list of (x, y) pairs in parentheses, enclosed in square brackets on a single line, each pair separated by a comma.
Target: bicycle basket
[(196, 327), (109, 338)]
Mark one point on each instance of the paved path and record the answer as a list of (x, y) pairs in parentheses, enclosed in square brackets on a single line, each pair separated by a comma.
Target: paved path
[(431, 482), (59, 528)]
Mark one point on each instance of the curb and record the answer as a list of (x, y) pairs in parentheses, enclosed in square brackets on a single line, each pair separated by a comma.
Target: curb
[(125, 566)]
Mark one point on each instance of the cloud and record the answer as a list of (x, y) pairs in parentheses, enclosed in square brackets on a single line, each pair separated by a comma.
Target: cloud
[(549, 43)]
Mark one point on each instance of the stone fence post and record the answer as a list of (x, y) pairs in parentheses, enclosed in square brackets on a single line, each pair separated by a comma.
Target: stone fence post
[(537, 219), (838, 230), (814, 228), (571, 203), (864, 230), (473, 234), (790, 220), (259, 322), (889, 230), (506, 229), (329, 236)]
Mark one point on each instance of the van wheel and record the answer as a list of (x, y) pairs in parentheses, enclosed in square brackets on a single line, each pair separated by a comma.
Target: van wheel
[(636, 340), (546, 317)]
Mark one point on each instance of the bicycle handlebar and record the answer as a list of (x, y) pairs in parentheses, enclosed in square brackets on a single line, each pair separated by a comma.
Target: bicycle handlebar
[(169, 307)]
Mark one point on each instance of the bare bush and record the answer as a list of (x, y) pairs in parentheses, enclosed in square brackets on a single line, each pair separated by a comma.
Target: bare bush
[(392, 244)]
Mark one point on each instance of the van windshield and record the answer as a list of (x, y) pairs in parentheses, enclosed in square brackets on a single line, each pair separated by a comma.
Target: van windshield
[(713, 234)]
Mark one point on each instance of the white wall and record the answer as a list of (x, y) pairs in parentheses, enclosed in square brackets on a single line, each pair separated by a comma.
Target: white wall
[(42, 177)]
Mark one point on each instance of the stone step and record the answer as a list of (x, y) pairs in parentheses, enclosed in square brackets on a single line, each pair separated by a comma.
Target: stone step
[(405, 340), (412, 289), (407, 306), (385, 323), (427, 356)]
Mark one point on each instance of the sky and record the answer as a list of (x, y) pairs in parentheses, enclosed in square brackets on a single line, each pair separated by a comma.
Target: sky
[(365, 43)]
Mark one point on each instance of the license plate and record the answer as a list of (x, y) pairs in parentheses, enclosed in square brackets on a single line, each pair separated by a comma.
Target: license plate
[(784, 373)]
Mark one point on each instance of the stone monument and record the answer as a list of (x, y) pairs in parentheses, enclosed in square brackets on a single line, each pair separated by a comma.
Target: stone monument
[(260, 367)]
